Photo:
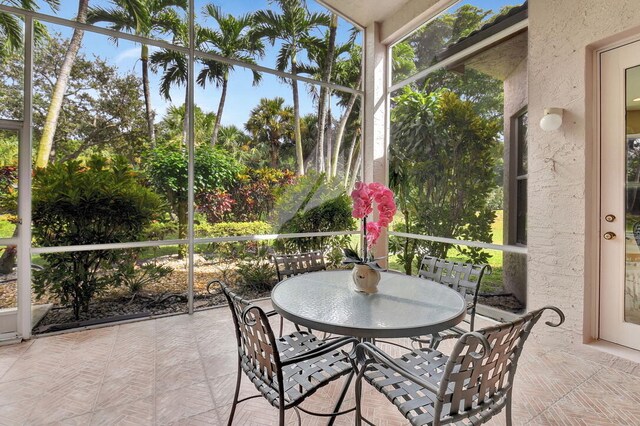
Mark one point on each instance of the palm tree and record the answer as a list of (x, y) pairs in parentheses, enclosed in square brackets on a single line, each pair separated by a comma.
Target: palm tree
[(175, 71), (348, 72), (51, 121), (293, 28), (324, 56), (11, 33), (143, 18), (234, 39), (270, 123)]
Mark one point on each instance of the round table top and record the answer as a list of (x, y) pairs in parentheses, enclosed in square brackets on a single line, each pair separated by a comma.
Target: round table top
[(404, 306)]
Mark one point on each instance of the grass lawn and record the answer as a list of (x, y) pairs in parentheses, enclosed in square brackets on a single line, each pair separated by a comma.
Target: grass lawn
[(6, 227), (490, 283)]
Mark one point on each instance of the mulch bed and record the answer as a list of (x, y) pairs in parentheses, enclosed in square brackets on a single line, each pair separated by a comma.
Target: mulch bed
[(506, 302), (168, 296)]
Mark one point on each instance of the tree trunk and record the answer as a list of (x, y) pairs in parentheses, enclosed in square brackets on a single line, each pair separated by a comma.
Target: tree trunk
[(144, 58), (341, 130), (296, 120), (185, 120), (275, 146), (325, 93), (223, 97), (183, 219), (347, 170), (51, 122), (354, 172), (328, 141)]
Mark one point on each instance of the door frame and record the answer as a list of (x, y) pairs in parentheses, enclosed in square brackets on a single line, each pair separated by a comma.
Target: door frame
[(593, 189)]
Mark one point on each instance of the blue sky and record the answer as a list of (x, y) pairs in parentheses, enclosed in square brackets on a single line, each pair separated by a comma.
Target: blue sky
[(242, 96)]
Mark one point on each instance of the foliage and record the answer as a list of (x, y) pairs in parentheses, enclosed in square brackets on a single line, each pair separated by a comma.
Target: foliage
[(9, 190), (233, 229), (11, 27), (135, 279), (102, 113), (168, 171), (251, 197), (257, 273), (270, 123), (442, 171), (419, 51), (331, 215), (99, 203), (230, 252), (171, 128)]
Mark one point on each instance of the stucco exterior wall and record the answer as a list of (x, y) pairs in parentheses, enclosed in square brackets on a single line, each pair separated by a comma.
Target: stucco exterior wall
[(561, 34)]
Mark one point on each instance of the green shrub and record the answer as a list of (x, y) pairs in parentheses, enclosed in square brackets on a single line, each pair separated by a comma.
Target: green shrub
[(233, 250), (167, 168), (135, 279), (330, 216), (233, 229), (256, 273), (83, 205), (313, 204)]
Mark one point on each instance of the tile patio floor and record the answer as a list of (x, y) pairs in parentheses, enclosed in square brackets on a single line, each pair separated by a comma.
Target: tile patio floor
[(181, 370)]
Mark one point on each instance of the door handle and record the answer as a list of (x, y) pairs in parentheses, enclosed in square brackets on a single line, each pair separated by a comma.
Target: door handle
[(609, 235)]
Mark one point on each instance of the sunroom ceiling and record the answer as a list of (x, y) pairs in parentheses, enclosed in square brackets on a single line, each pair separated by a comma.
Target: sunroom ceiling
[(365, 12)]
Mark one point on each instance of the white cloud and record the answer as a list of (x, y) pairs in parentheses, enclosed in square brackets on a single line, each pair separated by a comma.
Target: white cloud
[(132, 53)]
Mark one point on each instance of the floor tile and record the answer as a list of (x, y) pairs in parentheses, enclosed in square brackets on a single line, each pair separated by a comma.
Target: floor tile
[(178, 404)]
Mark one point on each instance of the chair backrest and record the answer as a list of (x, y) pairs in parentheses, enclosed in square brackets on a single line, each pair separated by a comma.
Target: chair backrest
[(462, 277), (478, 376), (288, 265), (257, 347)]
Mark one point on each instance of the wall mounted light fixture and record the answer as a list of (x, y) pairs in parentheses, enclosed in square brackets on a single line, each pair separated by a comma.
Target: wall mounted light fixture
[(552, 119)]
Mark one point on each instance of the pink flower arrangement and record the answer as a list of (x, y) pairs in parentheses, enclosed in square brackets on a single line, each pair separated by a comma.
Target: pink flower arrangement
[(364, 195)]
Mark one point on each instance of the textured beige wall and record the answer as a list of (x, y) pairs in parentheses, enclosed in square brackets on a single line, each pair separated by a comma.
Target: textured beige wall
[(561, 34)]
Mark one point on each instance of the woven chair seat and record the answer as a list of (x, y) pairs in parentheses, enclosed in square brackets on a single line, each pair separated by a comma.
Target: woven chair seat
[(412, 400), (301, 379)]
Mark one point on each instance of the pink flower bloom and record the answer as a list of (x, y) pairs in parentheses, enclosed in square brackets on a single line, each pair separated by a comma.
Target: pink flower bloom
[(373, 233), (362, 202), (364, 195)]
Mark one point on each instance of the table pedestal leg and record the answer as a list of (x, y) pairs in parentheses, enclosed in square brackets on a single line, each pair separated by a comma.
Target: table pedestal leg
[(343, 393)]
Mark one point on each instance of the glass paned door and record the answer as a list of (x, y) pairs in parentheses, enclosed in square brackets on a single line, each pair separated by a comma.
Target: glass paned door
[(620, 196), (632, 205)]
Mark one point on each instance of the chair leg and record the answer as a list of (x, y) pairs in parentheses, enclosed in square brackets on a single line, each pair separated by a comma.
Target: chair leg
[(435, 341), (508, 410), (236, 394), (281, 416), (359, 397), (281, 326)]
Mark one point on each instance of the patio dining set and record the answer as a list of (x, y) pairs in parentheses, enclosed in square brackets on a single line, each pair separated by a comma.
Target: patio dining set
[(338, 331)]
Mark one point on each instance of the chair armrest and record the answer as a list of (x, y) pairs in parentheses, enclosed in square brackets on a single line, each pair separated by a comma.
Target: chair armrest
[(210, 283), (366, 353), (321, 350), (271, 313)]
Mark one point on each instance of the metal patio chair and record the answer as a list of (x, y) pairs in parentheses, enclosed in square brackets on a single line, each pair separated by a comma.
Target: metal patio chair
[(462, 277), (286, 370), (289, 265), (474, 383)]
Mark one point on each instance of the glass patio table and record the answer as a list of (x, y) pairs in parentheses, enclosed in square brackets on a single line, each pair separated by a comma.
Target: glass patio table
[(404, 305)]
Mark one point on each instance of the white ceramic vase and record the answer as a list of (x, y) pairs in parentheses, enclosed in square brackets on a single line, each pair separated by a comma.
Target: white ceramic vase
[(366, 279)]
